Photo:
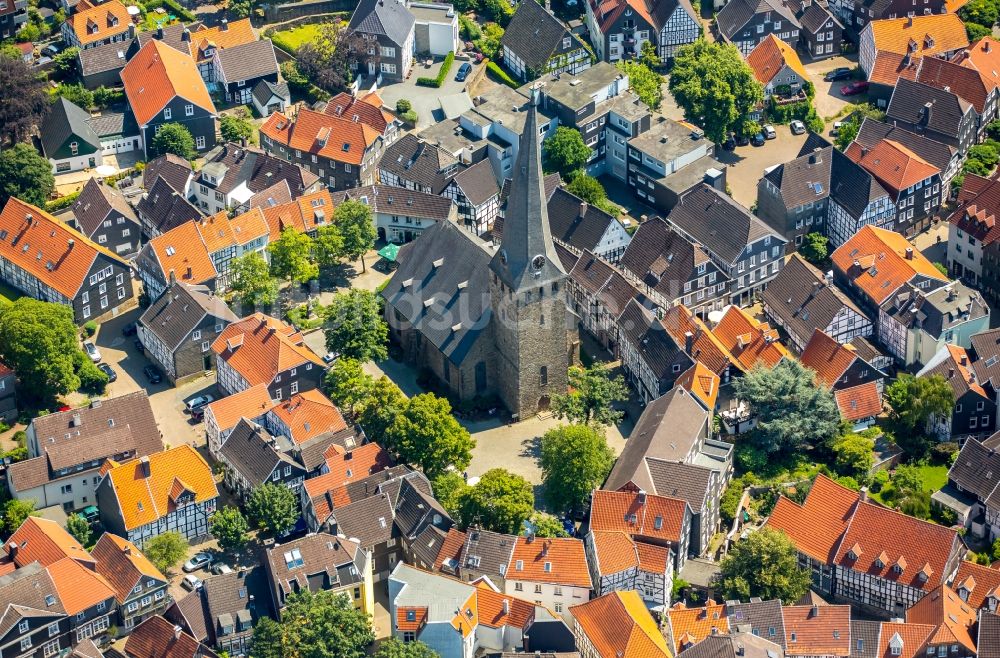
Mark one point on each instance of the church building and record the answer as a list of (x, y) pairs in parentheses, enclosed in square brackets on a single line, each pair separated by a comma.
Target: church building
[(490, 320)]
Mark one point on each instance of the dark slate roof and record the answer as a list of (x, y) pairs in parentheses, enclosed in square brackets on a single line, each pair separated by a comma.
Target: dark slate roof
[(368, 520), (937, 310), (601, 280), (383, 18), (415, 160), (65, 119), (399, 201), (478, 182), (28, 587), (640, 327), (851, 186), (491, 550), (716, 221), (180, 309), (173, 168), (189, 614), (977, 471), (96, 202), (103, 58), (312, 453), (813, 141), (663, 259), (803, 300), (255, 168), (166, 207), (110, 124), (865, 638), (734, 645), (535, 35), (415, 508), (805, 179), (230, 593), (815, 17), (761, 616), (425, 294), (264, 90), (328, 562), (989, 635), (910, 98), (576, 222), (873, 131), (986, 348), (738, 13), (248, 61), (689, 482), (172, 35), (250, 450), (865, 350), (427, 544)]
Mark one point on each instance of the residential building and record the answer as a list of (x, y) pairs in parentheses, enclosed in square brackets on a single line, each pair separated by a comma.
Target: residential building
[(857, 14), (975, 412), (269, 97), (553, 571), (164, 207), (12, 17), (873, 557), (936, 113), (43, 541), (204, 42), (582, 226), (971, 235), (72, 139), (972, 483), (685, 627), (748, 250), (625, 610), (976, 87), (239, 69), (401, 214), (817, 630), (104, 216), (253, 457), (413, 164), (107, 22), (775, 64), (66, 449), (222, 416), (822, 32), (945, 158), (651, 360), (670, 160), (752, 343), (263, 350), (619, 563), (598, 293), (140, 588), (976, 584), (320, 562), (618, 29), (647, 518), (178, 328), (745, 23), (838, 365), (476, 195), (535, 43), (157, 637), (8, 393), (953, 620), (178, 255), (233, 604), (802, 300), (700, 343), (172, 490), (917, 36), (388, 26)]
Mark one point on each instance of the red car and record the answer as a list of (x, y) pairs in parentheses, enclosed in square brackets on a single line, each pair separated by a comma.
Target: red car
[(854, 88)]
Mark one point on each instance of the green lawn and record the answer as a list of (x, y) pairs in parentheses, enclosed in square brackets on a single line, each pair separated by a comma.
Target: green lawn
[(934, 477), (8, 294), (292, 39)]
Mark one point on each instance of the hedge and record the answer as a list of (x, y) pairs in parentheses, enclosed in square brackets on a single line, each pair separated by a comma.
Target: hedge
[(178, 11), (449, 59), (501, 75), (62, 202)]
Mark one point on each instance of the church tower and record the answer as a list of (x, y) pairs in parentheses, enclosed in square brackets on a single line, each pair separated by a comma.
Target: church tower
[(530, 319)]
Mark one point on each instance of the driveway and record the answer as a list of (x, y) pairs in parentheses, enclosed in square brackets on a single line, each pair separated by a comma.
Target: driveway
[(426, 100), (829, 101), (747, 163)]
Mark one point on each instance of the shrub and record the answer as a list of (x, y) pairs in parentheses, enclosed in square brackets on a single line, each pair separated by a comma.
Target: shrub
[(410, 117), (879, 481), (90, 328), (62, 202), (944, 453), (174, 7), (500, 75), (449, 59), (92, 380), (403, 106)]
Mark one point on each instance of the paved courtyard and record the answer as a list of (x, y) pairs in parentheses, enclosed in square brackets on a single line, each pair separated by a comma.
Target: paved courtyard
[(426, 100), (747, 163), (829, 101)]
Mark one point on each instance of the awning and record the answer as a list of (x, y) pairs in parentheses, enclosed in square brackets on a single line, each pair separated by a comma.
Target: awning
[(389, 252)]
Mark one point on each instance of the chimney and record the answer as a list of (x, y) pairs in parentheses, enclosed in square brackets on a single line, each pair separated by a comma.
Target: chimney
[(909, 253), (964, 360), (815, 611), (177, 632), (583, 209), (77, 420), (186, 35), (925, 114), (641, 497), (951, 373), (70, 243), (688, 341), (506, 606), (863, 494), (986, 45), (128, 550), (12, 549), (144, 465), (188, 274), (159, 32), (909, 21), (131, 30), (224, 26), (173, 276)]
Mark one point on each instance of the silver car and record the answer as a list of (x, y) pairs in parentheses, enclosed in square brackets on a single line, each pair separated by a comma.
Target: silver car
[(92, 352)]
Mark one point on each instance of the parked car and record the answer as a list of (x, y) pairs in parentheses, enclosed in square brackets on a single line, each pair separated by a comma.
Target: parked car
[(839, 73), (51, 50), (91, 513), (109, 371), (152, 374), (855, 88), (769, 132), (758, 139), (191, 582), (837, 125), (201, 560), (198, 402), (330, 357), (742, 140), (730, 143), (797, 127), (129, 329), (220, 568), (92, 352), (463, 72)]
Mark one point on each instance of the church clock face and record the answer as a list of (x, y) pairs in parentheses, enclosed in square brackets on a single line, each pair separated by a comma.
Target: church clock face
[(538, 262)]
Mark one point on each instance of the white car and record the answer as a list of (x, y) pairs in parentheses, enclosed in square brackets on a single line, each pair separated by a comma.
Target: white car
[(220, 568), (92, 352), (191, 582), (199, 402), (836, 127), (769, 132), (198, 561), (797, 127)]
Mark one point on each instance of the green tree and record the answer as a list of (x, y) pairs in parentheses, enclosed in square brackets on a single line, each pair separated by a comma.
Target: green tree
[(981, 12), (230, 528), (546, 525), (917, 504), (592, 393), (644, 81), (501, 501), (815, 248), (790, 408), (565, 151), (16, 511), (291, 257), (165, 550), (854, 456), (347, 384), (25, 174), (354, 219), (907, 480), (714, 86), (378, 409), (92, 379), (106, 96), (174, 138), (426, 433), (328, 245), (588, 188), (79, 528), (489, 40), (76, 94), (20, 112), (975, 31), (846, 133), (499, 10), (65, 63), (250, 279), (575, 460), (38, 341), (236, 127), (915, 402), (393, 648), (273, 508), (317, 625), (240, 8), (648, 56), (765, 564), (448, 487), (355, 327)]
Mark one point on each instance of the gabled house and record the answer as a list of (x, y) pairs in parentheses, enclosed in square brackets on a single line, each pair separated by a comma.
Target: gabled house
[(916, 35), (745, 23), (582, 226), (619, 28), (204, 43), (253, 457), (619, 563), (222, 416), (838, 365), (104, 216), (978, 585), (793, 197), (140, 588), (976, 87), (536, 43), (972, 483), (158, 637), (389, 28), (775, 64), (476, 194), (164, 207), (822, 32), (269, 97), (936, 113), (685, 627), (163, 86), (625, 610), (953, 620), (647, 518), (400, 214), (108, 22), (945, 158), (48, 260), (599, 294), (181, 255), (651, 360), (802, 300), (975, 412), (72, 139), (550, 570), (239, 69), (752, 343), (700, 343), (414, 164), (233, 604), (172, 490)]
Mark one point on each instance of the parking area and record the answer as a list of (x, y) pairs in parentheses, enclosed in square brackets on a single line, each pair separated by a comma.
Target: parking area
[(747, 163), (427, 101), (829, 101)]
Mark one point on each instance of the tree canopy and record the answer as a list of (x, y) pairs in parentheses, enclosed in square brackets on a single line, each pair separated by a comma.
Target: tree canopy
[(236, 127), (79, 528), (165, 550), (565, 152), (15, 512), (25, 174), (355, 327), (592, 392), (173, 138), (314, 625), (394, 648), (714, 86), (501, 501), (815, 248), (292, 257), (765, 564), (425, 432), (273, 508), (645, 82), (230, 528), (38, 341), (357, 229), (327, 60), (250, 279), (914, 403), (20, 112), (575, 460)]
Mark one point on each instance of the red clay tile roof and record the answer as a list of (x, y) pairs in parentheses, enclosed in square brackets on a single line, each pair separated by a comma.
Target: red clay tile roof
[(358, 463), (913, 638), (618, 624), (827, 357), (304, 214), (336, 138), (817, 630), (519, 612), (182, 250), (559, 561), (894, 165), (251, 403), (615, 551), (705, 347), (155, 638), (984, 57), (451, 547), (770, 56), (816, 526), (236, 33), (220, 232), (259, 347), (979, 581), (658, 517), (965, 82), (110, 18), (48, 249), (951, 616), (122, 564), (702, 383), (367, 109), (889, 67), (156, 75), (46, 542), (921, 36), (79, 588), (689, 626), (309, 414), (751, 342), (859, 402), (410, 618)]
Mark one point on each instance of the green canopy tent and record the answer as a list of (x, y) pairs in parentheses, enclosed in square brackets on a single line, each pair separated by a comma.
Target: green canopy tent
[(389, 252)]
